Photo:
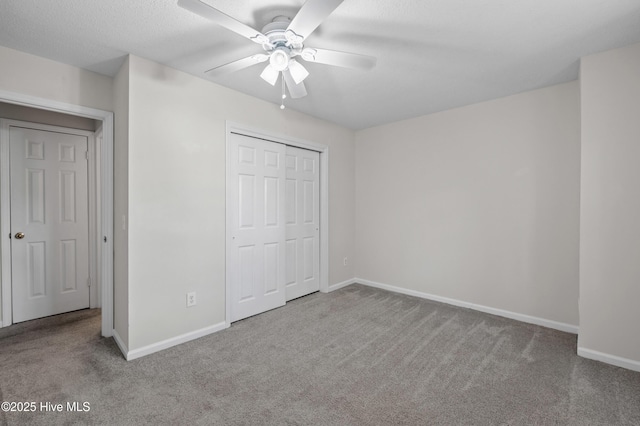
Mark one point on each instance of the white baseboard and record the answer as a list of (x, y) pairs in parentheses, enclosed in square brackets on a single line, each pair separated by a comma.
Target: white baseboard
[(494, 311), (165, 344), (337, 286), (618, 361), (123, 347)]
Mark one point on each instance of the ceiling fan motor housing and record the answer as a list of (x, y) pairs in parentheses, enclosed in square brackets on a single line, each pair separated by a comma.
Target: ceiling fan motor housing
[(276, 32)]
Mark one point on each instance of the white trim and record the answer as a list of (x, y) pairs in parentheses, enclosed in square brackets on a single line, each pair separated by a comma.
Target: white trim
[(106, 193), (241, 129), (174, 341), (121, 345), (618, 361), (568, 328), (274, 137), (227, 225), (106, 216), (324, 220), (98, 223), (5, 227), (334, 287), (94, 240)]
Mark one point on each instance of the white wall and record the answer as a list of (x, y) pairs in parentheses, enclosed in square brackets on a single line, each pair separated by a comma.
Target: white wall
[(36, 76), (610, 206), (121, 205), (31, 75), (478, 204), (177, 195)]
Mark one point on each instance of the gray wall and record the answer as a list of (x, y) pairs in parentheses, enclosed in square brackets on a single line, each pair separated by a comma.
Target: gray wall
[(479, 204), (610, 206), (176, 195), (121, 204)]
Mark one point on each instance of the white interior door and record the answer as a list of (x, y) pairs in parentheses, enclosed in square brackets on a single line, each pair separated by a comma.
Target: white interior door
[(303, 222), (256, 225), (49, 223)]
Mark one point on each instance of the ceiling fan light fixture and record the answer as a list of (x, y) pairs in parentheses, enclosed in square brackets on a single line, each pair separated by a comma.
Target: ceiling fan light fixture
[(279, 60), (270, 75), (298, 72)]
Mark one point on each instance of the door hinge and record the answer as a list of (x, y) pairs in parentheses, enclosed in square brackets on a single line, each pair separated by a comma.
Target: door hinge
[(89, 282), (86, 155)]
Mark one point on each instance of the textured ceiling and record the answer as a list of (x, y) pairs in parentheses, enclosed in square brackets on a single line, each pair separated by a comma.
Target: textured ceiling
[(432, 55)]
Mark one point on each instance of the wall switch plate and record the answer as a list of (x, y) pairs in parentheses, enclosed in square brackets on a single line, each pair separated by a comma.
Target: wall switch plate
[(191, 299)]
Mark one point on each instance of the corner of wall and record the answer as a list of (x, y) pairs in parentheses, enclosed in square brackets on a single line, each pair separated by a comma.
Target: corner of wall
[(609, 207), (121, 206)]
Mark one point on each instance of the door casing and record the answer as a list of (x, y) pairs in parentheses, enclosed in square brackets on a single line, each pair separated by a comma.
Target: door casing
[(232, 127), (106, 202)]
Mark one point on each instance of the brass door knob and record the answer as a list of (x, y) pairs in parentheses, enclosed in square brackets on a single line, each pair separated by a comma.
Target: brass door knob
[(19, 235)]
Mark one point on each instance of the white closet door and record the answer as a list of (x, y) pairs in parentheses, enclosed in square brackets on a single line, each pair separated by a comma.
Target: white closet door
[(256, 237), (49, 223), (303, 222)]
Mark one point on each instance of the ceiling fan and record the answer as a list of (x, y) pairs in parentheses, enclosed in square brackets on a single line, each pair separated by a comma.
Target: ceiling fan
[(283, 43)]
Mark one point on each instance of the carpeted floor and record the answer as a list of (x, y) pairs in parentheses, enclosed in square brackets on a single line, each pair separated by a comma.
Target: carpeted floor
[(357, 356)]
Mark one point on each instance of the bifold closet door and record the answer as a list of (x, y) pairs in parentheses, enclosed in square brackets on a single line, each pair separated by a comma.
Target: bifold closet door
[(303, 222), (256, 226)]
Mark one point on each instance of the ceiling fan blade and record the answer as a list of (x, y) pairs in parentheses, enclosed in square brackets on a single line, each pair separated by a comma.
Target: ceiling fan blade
[(340, 59), (312, 13), (224, 20), (237, 65), (295, 90)]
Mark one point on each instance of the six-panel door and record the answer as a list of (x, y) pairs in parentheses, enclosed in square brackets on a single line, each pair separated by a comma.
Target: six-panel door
[(273, 224), (303, 222), (257, 226), (49, 205)]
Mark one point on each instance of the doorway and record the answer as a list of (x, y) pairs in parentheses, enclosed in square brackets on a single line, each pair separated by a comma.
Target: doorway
[(277, 220), (103, 229), (52, 257)]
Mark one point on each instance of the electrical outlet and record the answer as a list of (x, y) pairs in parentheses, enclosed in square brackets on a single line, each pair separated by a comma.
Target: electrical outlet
[(345, 261), (191, 299)]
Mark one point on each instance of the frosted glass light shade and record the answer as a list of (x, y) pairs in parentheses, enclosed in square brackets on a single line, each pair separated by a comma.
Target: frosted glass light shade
[(298, 72), (270, 75)]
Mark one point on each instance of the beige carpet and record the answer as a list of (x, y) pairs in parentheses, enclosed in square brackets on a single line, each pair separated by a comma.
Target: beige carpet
[(357, 356)]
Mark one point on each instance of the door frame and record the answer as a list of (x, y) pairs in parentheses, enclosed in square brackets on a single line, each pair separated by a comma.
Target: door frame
[(92, 191), (106, 202), (241, 129)]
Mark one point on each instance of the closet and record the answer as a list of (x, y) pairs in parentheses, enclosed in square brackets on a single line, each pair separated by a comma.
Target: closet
[(273, 224)]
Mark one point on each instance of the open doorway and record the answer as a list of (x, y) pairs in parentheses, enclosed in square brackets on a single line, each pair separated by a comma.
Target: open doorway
[(96, 128)]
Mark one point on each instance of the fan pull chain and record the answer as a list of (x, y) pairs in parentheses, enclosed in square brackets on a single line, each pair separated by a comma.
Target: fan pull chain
[(284, 94)]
